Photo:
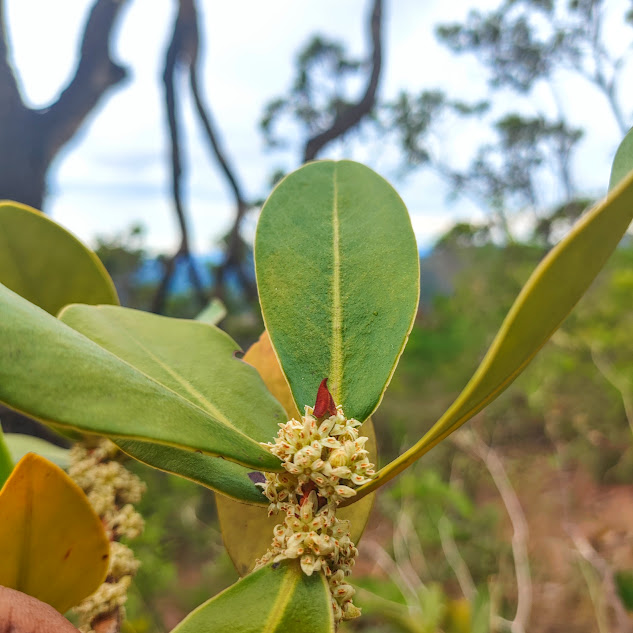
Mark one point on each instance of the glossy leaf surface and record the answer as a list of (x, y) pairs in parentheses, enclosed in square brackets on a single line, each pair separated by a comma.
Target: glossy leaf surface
[(281, 600), (46, 264), (247, 530), (338, 275), (151, 378), (548, 296), (19, 445), (52, 544)]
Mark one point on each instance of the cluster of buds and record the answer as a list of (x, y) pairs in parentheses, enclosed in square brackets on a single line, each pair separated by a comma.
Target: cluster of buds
[(112, 490), (325, 460)]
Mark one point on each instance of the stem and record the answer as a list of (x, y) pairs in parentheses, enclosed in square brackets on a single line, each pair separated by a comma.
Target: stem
[(455, 560), (472, 443)]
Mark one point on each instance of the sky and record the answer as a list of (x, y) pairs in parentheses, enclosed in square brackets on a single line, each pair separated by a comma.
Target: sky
[(116, 173)]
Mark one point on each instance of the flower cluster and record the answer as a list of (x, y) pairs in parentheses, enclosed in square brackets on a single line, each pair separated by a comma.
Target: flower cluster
[(112, 490), (324, 461), (330, 454)]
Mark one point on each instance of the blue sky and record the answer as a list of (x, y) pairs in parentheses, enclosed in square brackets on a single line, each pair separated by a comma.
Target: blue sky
[(116, 172)]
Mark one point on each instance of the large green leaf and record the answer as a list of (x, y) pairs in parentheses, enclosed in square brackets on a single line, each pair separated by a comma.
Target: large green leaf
[(46, 264), (338, 275), (274, 599), (150, 378), (548, 296)]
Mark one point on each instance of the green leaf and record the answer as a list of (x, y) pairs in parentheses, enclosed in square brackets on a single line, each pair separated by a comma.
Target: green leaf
[(623, 161), (46, 264), (144, 377), (6, 461), (338, 276), (227, 478), (270, 600), (548, 296), (213, 313), (19, 445)]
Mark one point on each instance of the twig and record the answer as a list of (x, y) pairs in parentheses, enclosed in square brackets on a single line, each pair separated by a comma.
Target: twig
[(620, 622), (234, 257), (471, 442), (352, 115), (95, 74), (402, 554), (388, 565), (455, 560), (181, 49)]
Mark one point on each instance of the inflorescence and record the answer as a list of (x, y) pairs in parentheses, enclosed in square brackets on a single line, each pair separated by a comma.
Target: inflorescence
[(325, 460), (112, 490)]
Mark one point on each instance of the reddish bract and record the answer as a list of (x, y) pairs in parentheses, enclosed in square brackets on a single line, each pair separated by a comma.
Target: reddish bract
[(324, 401)]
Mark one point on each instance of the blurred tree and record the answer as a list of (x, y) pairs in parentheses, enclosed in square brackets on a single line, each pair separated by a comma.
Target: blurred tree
[(32, 138), (321, 102), (326, 120), (524, 45)]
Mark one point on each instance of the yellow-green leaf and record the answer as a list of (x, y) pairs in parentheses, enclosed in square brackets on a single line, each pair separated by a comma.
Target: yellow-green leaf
[(44, 263), (52, 544), (551, 292), (338, 277), (274, 599)]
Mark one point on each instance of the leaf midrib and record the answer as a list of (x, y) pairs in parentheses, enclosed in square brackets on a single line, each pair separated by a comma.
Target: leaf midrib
[(160, 384), (336, 359), (211, 409), (278, 609)]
